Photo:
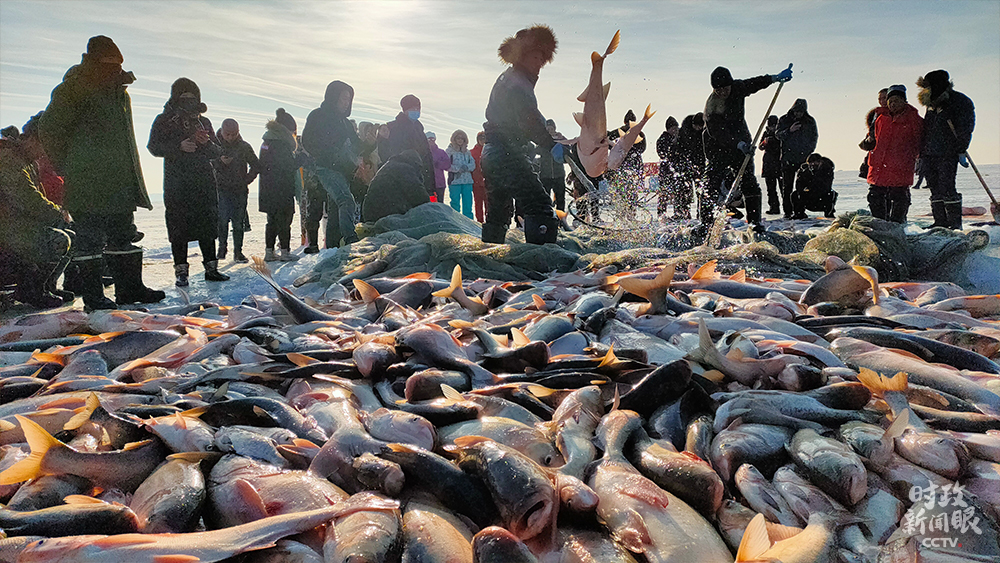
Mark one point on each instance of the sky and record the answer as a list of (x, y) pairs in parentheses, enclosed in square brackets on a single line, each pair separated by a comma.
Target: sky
[(251, 57)]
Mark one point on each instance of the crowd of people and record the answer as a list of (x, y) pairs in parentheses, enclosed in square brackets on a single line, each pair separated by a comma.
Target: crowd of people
[(72, 179)]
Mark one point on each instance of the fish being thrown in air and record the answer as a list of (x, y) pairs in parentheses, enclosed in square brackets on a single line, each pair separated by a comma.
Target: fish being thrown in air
[(617, 154), (592, 144)]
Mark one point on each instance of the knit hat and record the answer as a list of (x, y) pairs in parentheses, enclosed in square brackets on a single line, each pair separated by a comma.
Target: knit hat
[(284, 118), (186, 86), (721, 77), (409, 101), (671, 122), (535, 38), (896, 90), (101, 49), (431, 135)]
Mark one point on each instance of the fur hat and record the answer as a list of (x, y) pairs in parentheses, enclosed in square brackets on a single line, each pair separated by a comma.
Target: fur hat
[(534, 38), (101, 49), (284, 118), (721, 77), (932, 85)]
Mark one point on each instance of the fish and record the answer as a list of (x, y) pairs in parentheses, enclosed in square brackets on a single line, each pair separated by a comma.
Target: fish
[(496, 545), (455, 291), (572, 429), (624, 143), (367, 527), (300, 311), (761, 445), (527, 440), (683, 474), (592, 144), (830, 464), (170, 500), (41, 326), (432, 534)]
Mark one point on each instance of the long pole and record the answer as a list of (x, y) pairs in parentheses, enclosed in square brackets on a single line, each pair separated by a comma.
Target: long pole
[(994, 206), (715, 235)]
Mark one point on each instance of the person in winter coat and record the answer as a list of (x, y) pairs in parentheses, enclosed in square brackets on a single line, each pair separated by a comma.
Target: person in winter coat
[(460, 173), (690, 164), (406, 132), (397, 187), (513, 122), (552, 173), (330, 140), (88, 134), (186, 141), (666, 149), (798, 134), (478, 183), (34, 241), (441, 163), (277, 186), (49, 182), (948, 124), (814, 187), (235, 169), (627, 180), (897, 132), (869, 141), (770, 169)]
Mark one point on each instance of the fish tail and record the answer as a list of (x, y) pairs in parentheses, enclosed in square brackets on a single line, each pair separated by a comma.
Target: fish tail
[(30, 467), (368, 293), (755, 540), (258, 265), (706, 271), (871, 276), (84, 413), (648, 114), (456, 282), (614, 43), (595, 58), (879, 384)]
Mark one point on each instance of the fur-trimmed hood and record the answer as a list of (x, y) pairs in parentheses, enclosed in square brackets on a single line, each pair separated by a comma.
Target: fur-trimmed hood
[(276, 131), (537, 37)]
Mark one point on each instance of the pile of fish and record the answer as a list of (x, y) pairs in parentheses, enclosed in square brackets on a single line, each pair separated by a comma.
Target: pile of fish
[(590, 417)]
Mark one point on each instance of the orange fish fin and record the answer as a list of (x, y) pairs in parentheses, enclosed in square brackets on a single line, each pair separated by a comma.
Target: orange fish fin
[(871, 276), (301, 360), (30, 467), (251, 498), (82, 499), (520, 339), (84, 414), (470, 440), (755, 540), (613, 46), (740, 277), (706, 272), (135, 445), (122, 539), (539, 302), (456, 283), (368, 293), (175, 558), (418, 276)]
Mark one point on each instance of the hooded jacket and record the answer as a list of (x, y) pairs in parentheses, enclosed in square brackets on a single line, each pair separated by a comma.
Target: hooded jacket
[(406, 134), (897, 146), (771, 162), (725, 118), (88, 134), (328, 135), (396, 188), (938, 137), (25, 210), (233, 178), (799, 144), (691, 147), (278, 170)]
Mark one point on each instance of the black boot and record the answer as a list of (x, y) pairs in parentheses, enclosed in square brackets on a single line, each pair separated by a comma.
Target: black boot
[(939, 213), (31, 287), (899, 204), (878, 202), (953, 214), (126, 268), (540, 229), (238, 247), (753, 203), (494, 234), (55, 270), (312, 233), (831, 210), (90, 271), (212, 272)]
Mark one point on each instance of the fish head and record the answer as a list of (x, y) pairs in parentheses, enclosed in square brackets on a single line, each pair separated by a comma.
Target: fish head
[(497, 545), (402, 427), (940, 453)]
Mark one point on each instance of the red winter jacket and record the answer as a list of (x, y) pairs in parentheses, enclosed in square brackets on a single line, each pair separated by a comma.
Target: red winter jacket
[(897, 146)]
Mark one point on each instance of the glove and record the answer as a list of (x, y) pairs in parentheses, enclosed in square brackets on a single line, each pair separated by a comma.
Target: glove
[(963, 160), (745, 148), (783, 76), (557, 153)]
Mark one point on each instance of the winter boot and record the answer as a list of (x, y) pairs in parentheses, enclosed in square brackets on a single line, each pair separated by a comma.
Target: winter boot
[(939, 213), (831, 210), (181, 273), (286, 256), (212, 272), (270, 256), (71, 278), (223, 250), (239, 257), (56, 269), (753, 203), (238, 247), (899, 205), (540, 229), (953, 214), (31, 288), (878, 202), (126, 268), (90, 270), (312, 234), (494, 234)]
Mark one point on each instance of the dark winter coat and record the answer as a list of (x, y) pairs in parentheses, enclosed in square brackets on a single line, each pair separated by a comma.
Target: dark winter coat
[(938, 137), (815, 182), (328, 135), (633, 158), (512, 117), (725, 118), (897, 146), (25, 211), (278, 170), (799, 144), (408, 134), (190, 193), (691, 147), (771, 145), (397, 187), (88, 134), (233, 178)]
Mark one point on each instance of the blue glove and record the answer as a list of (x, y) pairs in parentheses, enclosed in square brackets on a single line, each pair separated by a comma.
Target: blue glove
[(963, 160), (745, 147), (783, 76), (557, 153)]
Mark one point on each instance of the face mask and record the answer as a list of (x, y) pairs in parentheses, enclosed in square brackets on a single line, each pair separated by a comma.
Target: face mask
[(413, 114)]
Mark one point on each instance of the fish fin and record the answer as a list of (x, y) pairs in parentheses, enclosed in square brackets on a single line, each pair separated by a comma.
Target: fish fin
[(303, 443), (617, 400), (879, 384), (418, 276), (538, 301), (40, 443), (706, 272), (897, 427), (609, 358), (451, 393), (519, 338), (872, 277), (301, 360), (595, 58), (84, 414), (251, 498), (606, 90), (778, 532), (181, 421), (539, 390), (578, 116), (176, 558), (47, 358), (740, 277), (648, 114), (614, 43), (456, 282), (470, 440), (119, 540), (194, 457), (194, 413), (755, 540), (368, 293), (136, 445), (221, 392), (458, 323), (714, 376), (634, 536), (6, 425), (402, 448), (643, 287), (65, 403), (82, 499)]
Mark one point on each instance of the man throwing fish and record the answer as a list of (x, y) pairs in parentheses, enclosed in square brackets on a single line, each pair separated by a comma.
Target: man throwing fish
[(728, 141), (513, 123)]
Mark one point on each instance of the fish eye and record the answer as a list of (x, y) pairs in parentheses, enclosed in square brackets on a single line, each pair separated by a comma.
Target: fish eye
[(547, 461)]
